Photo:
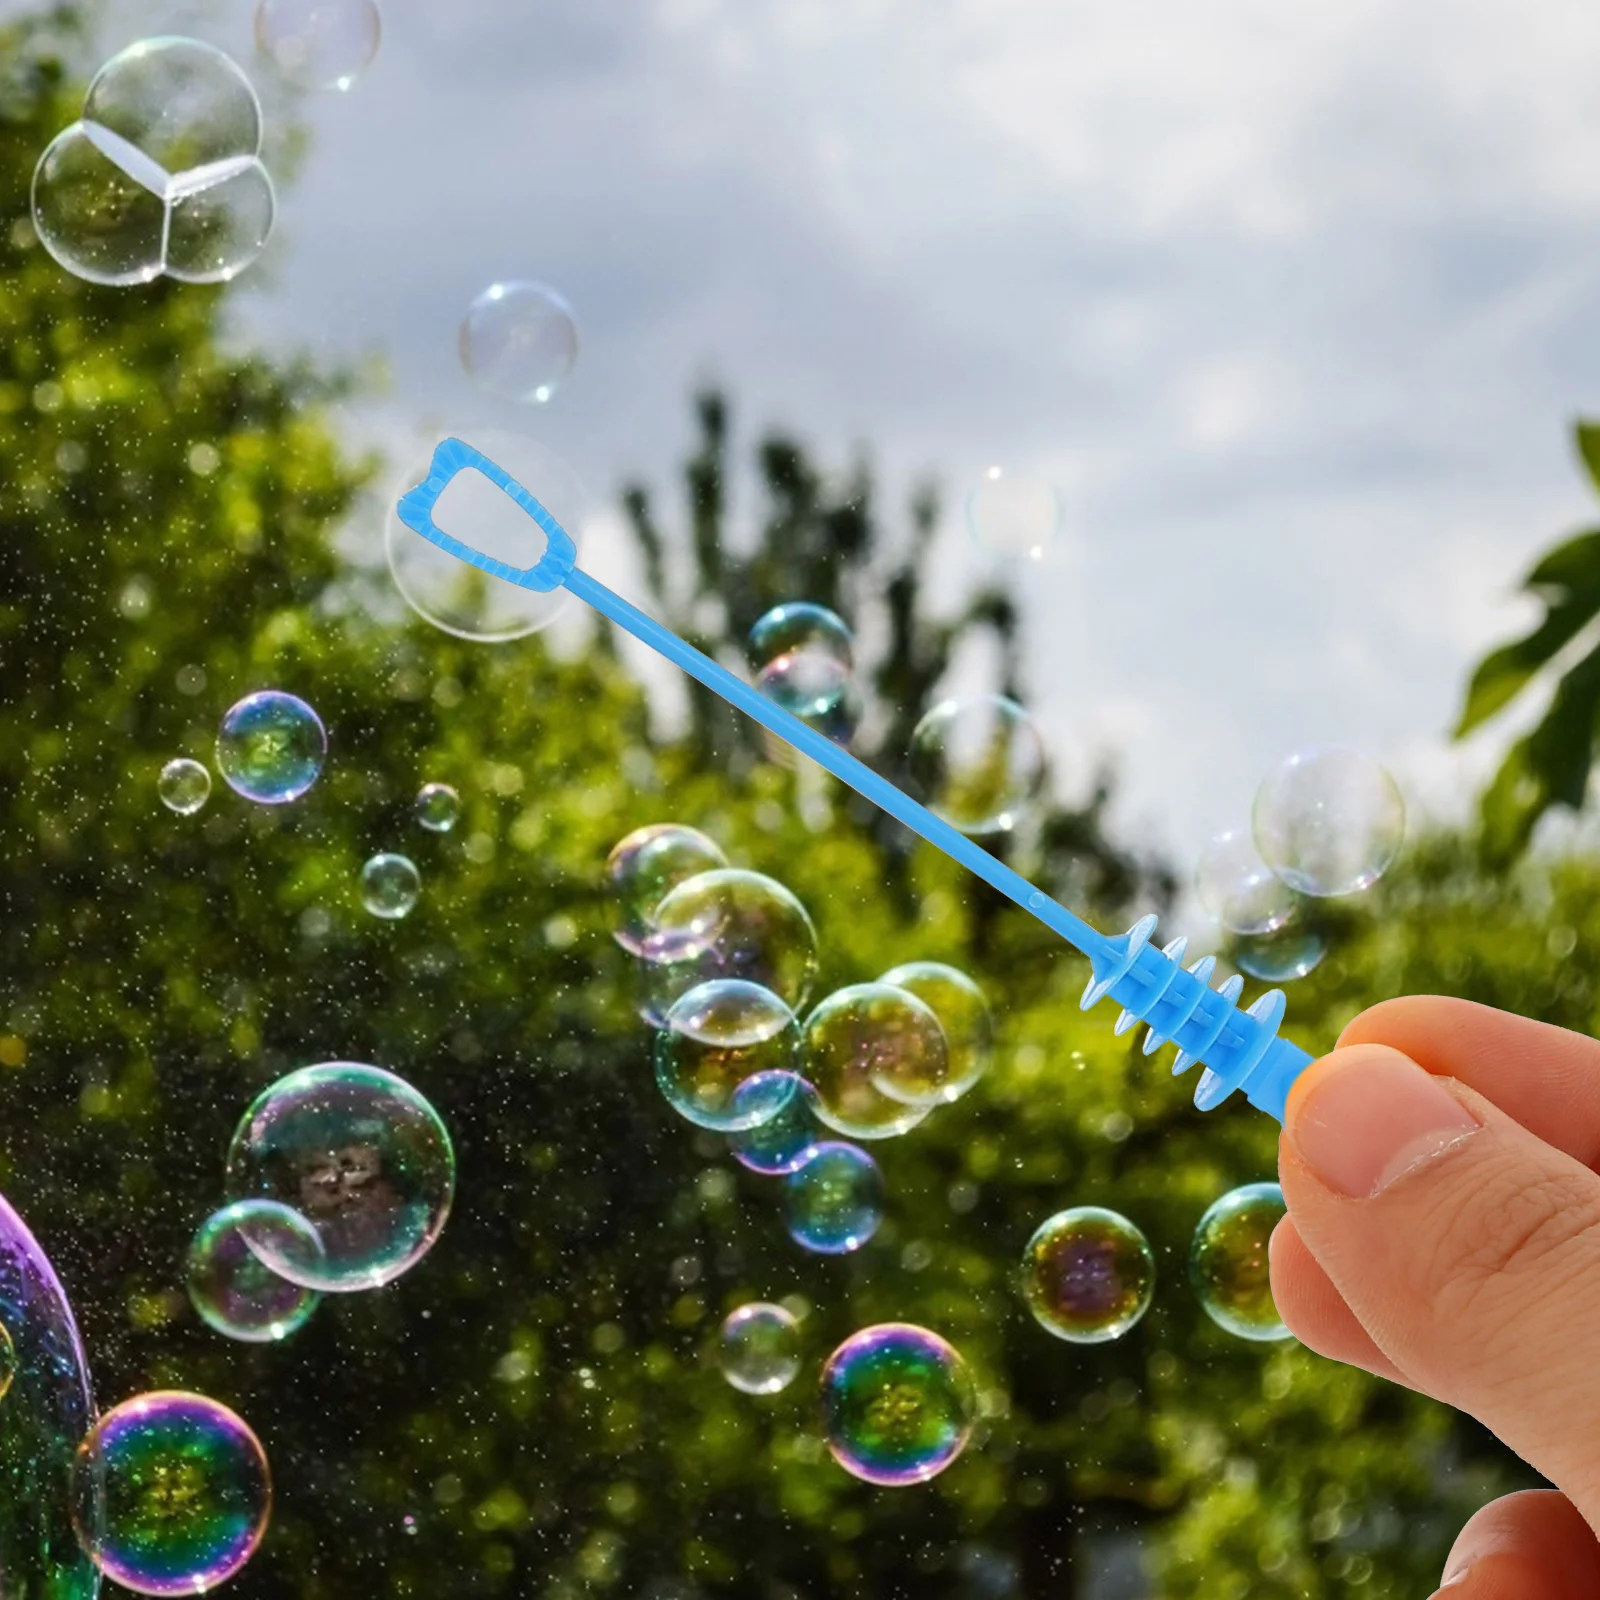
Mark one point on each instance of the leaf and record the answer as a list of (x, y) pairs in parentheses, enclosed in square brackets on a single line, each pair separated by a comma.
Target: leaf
[(1503, 673), (1587, 437)]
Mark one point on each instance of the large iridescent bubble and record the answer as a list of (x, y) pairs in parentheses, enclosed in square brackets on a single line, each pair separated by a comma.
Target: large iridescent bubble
[(725, 1057), (645, 866), (834, 1199), (1228, 1261), (859, 1041), (234, 1290), (45, 1413), (729, 923), (171, 1493), (271, 747), (1088, 1275), (898, 1404), (362, 1156)]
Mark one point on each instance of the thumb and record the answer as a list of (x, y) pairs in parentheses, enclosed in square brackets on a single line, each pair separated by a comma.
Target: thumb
[(1467, 1248)]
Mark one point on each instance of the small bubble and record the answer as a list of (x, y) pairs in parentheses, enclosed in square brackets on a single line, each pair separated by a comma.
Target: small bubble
[(758, 1348), (519, 341), (184, 786), (390, 885)]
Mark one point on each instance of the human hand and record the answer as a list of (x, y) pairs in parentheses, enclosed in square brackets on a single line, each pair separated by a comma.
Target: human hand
[(1444, 1232)]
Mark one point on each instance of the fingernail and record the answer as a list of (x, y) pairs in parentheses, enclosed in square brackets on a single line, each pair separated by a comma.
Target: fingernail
[(1370, 1116), (1454, 1575)]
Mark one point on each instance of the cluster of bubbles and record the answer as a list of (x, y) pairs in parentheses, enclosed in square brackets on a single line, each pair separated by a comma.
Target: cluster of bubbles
[(727, 961), (1325, 824), (319, 44), (171, 1493), (1088, 1274), (519, 341), (161, 174)]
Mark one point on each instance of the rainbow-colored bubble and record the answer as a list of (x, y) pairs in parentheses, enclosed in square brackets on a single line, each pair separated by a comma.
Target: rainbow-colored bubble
[(780, 1145), (1088, 1275), (234, 1290), (271, 747), (1228, 1261), (171, 1493), (644, 867), (725, 1057), (897, 1404), (859, 1045), (834, 1199)]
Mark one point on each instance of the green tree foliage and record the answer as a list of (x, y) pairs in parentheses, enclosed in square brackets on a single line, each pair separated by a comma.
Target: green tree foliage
[(1548, 766), (531, 1411)]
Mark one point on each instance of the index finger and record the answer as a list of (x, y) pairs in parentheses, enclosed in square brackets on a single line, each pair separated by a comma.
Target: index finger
[(1544, 1077)]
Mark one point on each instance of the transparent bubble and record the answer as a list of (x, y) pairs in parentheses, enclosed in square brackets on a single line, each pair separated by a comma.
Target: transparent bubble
[(1228, 1261), (161, 174), (319, 44), (978, 763), (390, 885), (834, 1200), (46, 1412), (1280, 957), (271, 747), (184, 786), (643, 867), (729, 923), (519, 341), (1329, 822), (861, 1039), (456, 596), (1088, 1275), (898, 1404), (1239, 889), (964, 1019), (759, 1348), (725, 1058), (438, 807), (171, 1493), (361, 1156), (780, 1145), (1015, 514), (234, 1290), (803, 654)]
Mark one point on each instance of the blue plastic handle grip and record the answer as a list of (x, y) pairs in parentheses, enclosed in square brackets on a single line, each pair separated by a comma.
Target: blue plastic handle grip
[(1240, 1049)]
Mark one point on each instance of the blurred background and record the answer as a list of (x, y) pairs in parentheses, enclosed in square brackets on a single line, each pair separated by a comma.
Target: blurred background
[(1289, 319)]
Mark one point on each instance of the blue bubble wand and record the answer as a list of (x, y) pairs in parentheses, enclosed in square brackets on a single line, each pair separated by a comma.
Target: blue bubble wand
[(1240, 1049)]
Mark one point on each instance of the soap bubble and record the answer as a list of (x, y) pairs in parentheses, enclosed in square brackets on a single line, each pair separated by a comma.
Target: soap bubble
[(1228, 1261), (729, 923), (803, 655), (724, 1059), (390, 885), (171, 1493), (860, 1040), (45, 1414), (438, 807), (1280, 957), (184, 786), (1014, 514), (1239, 889), (319, 44), (834, 1200), (759, 1348), (162, 174), (897, 1404), (780, 1145), (644, 866), (964, 1019), (271, 747), (1329, 822), (519, 341), (452, 594), (1088, 1275), (978, 762), (234, 1290), (8, 1361), (361, 1156)]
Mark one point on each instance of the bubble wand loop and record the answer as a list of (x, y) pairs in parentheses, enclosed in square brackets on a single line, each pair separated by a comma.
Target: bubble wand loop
[(1240, 1049)]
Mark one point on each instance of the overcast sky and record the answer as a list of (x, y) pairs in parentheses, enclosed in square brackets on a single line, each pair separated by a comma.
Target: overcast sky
[(1294, 302)]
